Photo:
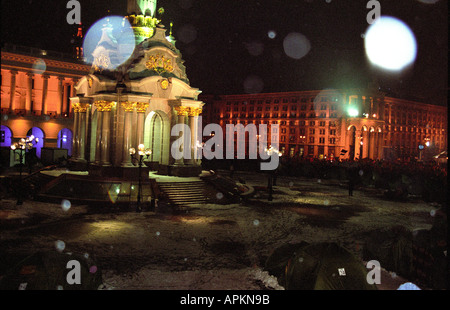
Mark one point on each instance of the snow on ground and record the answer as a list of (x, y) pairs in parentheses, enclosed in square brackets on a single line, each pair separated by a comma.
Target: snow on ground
[(209, 246)]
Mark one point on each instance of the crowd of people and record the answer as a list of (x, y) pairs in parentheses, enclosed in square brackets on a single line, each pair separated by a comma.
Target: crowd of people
[(399, 178)]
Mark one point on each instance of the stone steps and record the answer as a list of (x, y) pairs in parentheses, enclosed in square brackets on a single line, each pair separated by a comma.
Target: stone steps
[(35, 182), (184, 193)]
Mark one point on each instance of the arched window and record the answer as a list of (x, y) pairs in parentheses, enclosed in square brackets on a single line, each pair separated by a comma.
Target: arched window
[(5, 136), (65, 140), (37, 133)]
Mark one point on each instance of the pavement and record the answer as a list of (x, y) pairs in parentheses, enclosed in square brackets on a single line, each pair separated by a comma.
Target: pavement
[(39, 223)]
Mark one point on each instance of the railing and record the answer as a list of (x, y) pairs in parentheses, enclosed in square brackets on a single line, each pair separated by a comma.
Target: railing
[(20, 112), (52, 114), (37, 52)]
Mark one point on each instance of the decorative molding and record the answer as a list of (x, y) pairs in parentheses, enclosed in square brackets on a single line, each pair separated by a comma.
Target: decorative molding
[(142, 21), (104, 106), (80, 107), (164, 83), (194, 111), (182, 110), (159, 63), (49, 62), (141, 107), (128, 106)]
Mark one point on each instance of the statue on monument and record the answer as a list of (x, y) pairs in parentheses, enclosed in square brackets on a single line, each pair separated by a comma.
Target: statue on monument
[(142, 7)]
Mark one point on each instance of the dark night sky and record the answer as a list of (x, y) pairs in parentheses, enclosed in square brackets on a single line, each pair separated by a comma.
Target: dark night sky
[(225, 42)]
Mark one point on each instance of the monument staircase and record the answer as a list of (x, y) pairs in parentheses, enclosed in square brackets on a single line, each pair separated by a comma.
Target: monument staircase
[(182, 194), (30, 184)]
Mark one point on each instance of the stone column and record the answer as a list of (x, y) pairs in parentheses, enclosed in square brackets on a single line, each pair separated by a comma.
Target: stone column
[(75, 139), (44, 93), (141, 108), (28, 106), (105, 137), (371, 144), (181, 112), (12, 90), (59, 108), (193, 126), (127, 133), (103, 142), (73, 93), (380, 145), (357, 144), (98, 137), (65, 109), (79, 131), (82, 132), (365, 141)]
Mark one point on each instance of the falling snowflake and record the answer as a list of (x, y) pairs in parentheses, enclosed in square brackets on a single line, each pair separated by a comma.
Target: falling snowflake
[(60, 245), (408, 286), (65, 205)]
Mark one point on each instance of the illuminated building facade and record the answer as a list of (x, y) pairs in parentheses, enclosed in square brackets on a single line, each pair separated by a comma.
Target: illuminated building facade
[(349, 124), (36, 87)]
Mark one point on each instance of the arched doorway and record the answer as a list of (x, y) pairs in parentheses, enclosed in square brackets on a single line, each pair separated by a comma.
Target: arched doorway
[(65, 140), (37, 133), (5, 136), (157, 136)]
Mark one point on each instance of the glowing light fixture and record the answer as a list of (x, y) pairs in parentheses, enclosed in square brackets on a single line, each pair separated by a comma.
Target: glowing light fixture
[(353, 112)]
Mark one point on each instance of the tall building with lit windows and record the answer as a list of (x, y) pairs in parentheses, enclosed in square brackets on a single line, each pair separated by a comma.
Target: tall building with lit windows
[(35, 89), (349, 124)]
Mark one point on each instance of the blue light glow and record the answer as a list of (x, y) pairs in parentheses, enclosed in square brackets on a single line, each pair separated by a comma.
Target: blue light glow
[(111, 37)]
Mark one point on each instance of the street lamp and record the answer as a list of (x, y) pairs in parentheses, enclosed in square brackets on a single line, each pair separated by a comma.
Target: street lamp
[(142, 151), (21, 148), (270, 151)]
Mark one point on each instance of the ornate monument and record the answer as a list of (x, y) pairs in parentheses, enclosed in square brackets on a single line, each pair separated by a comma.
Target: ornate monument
[(137, 102)]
